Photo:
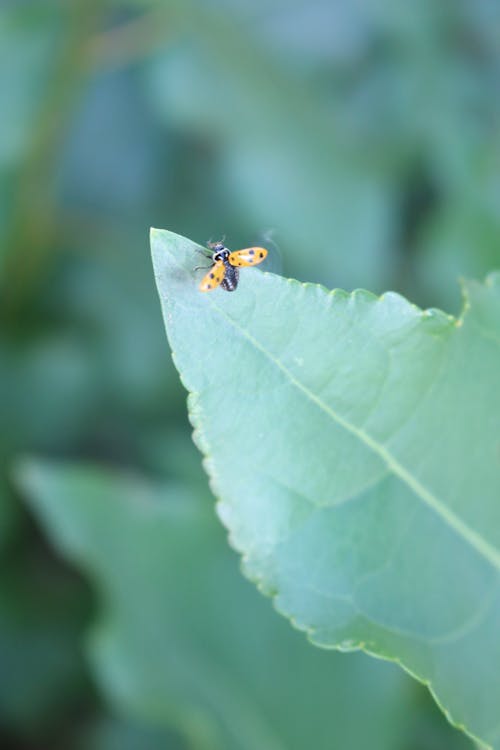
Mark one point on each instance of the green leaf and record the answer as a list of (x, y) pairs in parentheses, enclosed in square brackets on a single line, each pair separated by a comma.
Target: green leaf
[(183, 640), (110, 733), (353, 443)]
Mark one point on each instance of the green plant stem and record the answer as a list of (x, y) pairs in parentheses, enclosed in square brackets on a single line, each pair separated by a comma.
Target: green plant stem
[(31, 238), (130, 42)]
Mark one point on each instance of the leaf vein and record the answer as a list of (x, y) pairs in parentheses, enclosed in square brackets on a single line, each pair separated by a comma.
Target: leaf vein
[(472, 537)]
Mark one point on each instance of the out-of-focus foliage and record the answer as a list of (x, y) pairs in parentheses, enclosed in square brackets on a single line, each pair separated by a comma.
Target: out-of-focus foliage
[(364, 135), (203, 652)]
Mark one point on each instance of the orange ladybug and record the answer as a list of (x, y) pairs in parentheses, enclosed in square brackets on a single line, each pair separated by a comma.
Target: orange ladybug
[(226, 265)]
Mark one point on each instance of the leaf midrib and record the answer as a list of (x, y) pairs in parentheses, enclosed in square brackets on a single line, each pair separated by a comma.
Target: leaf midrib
[(472, 537)]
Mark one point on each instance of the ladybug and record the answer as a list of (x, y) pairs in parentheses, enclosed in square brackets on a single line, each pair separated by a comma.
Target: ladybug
[(225, 269)]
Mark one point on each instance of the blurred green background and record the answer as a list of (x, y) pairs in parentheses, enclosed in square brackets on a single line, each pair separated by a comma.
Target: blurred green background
[(360, 141)]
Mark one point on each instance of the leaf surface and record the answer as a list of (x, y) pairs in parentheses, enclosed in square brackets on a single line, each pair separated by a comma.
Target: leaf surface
[(353, 444)]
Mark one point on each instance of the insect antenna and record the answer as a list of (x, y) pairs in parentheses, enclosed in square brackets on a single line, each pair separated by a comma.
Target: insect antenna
[(214, 244)]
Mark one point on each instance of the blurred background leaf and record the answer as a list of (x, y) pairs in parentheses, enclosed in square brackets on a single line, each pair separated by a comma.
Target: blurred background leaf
[(364, 135)]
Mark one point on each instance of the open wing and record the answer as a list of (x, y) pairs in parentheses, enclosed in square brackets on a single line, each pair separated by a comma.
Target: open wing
[(213, 278), (251, 256)]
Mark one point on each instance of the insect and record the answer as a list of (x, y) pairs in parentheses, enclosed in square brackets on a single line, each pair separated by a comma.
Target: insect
[(225, 270)]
